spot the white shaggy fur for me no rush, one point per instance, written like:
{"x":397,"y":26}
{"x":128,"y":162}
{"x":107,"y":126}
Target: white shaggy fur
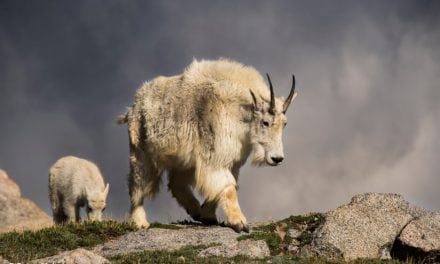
{"x":200,"y":127}
{"x":74,"y":183}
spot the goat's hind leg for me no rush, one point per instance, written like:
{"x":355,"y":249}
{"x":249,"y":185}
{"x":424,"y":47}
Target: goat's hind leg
{"x":136,"y":185}
{"x":56,"y":202}
{"x":207,"y":215}
{"x":180,"y":186}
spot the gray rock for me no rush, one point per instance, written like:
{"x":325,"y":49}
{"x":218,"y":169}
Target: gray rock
{"x":4,"y":261}
{"x":293,"y":249}
{"x":418,"y":212}
{"x":423,"y":233}
{"x":420,"y":239}
{"x":294,"y":233}
{"x":77,"y":256}
{"x":365,"y":228}
{"x":167,"y":239}
{"x":249,"y":248}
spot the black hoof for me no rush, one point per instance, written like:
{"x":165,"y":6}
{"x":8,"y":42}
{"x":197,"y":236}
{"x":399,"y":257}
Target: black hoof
{"x":239,"y":227}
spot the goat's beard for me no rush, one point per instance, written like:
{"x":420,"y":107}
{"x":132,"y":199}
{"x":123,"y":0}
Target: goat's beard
{"x":259,"y":157}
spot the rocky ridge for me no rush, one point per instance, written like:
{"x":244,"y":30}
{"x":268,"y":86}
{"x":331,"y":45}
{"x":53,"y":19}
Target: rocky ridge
{"x":370,"y":226}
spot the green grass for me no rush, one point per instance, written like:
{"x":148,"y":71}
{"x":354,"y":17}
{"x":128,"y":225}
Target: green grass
{"x":164,"y":226}
{"x":28,"y":245}
{"x":307,"y":224}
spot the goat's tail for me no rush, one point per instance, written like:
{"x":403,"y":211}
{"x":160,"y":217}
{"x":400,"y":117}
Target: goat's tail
{"x":135,"y":124}
{"x":123,"y":119}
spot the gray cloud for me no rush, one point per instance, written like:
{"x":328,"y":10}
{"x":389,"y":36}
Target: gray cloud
{"x":365,"y":118}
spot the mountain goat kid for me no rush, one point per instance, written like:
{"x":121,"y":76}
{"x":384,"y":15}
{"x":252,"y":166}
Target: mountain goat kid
{"x":74,"y":183}
{"x":200,"y":127}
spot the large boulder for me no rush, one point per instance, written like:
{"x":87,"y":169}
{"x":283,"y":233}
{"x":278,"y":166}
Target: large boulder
{"x":18,"y":213}
{"x":365,"y":228}
{"x":420,"y":239}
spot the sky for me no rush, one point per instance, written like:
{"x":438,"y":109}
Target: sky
{"x":366,"y":118}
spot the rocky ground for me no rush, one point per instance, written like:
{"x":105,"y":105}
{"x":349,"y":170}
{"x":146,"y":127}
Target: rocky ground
{"x":221,"y":241}
{"x":372,"y":226}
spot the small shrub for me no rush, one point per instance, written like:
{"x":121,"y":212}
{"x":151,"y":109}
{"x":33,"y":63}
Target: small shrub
{"x":307,"y":224}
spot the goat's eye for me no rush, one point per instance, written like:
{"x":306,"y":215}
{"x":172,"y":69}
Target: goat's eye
{"x":265,"y":123}
{"x":285,"y":124}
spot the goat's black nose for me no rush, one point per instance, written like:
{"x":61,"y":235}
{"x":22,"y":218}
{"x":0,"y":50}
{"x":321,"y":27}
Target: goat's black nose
{"x":277,"y":159}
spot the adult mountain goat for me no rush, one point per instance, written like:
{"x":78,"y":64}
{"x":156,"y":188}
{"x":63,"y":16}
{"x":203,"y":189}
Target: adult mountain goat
{"x":200,"y":127}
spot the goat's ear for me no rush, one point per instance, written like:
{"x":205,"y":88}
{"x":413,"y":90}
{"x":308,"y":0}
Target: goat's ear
{"x":254,"y":99}
{"x":107,"y":187}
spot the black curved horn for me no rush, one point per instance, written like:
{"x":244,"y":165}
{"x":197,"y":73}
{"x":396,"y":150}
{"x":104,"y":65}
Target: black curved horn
{"x":290,"y":97}
{"x":272,"y":96}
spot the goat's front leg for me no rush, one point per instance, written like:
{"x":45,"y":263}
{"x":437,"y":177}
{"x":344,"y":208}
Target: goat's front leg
{"x":228,"y":201}
{"x":220,"y":188}
{"x":180,"y":186}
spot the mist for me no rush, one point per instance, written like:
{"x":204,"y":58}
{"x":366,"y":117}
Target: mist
{"x":365,"y":119}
